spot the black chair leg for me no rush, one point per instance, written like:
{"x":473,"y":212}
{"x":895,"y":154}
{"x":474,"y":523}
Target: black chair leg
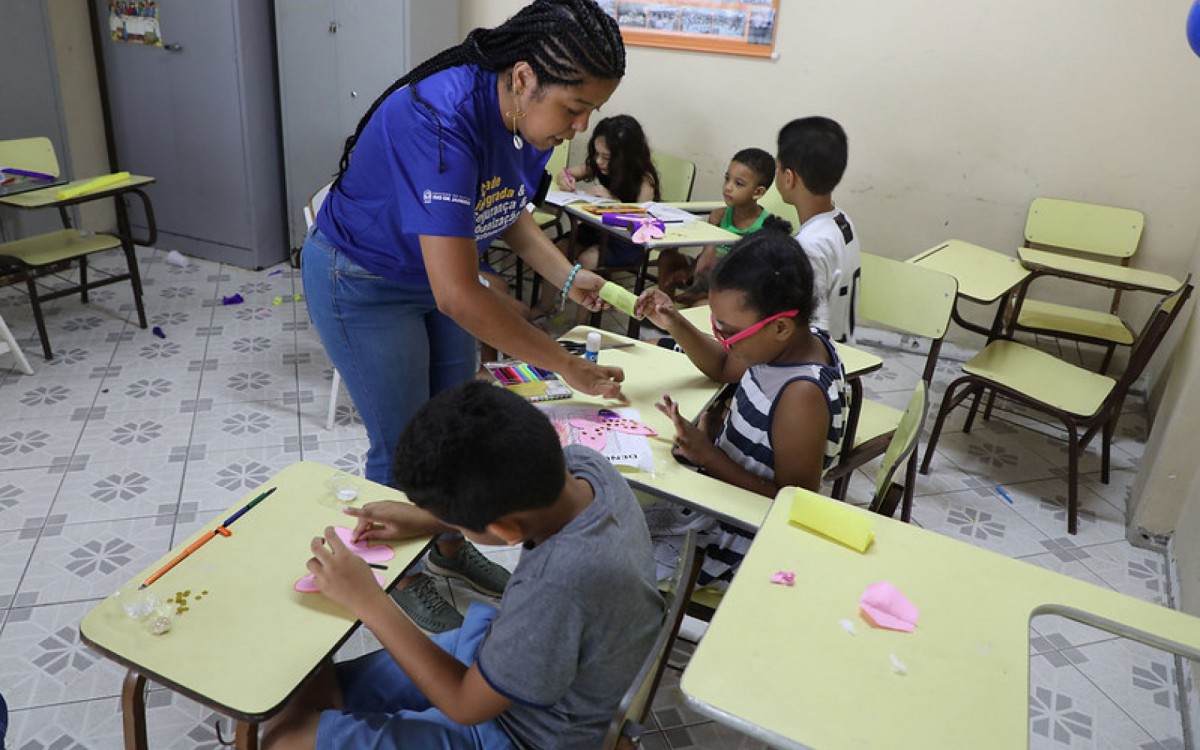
{"x":37,"y":314}
{"x":949,"y":401}
{"x":135,"y":279}
{"x":83,"y":268}
{"x":1072,"y":480}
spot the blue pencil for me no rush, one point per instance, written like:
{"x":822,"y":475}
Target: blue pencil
{"x":248,"y":506}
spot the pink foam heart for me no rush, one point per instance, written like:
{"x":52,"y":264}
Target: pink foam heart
{"x":372,"y":552}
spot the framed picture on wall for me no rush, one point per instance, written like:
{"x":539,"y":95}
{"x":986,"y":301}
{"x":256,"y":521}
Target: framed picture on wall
{"x":739,"y":27}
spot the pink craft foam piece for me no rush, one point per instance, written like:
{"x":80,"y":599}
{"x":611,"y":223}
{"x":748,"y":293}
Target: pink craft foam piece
{"x":784,"y":578}
{"x":883,"y":606}
{"x":372,"y":553}
{"x":307,"y":584}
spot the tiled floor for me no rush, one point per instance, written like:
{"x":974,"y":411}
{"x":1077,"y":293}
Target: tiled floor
{"x":126,"y":443}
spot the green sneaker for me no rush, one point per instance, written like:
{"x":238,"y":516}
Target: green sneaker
{"x":426,"y":607}
{"x":471,"y":566}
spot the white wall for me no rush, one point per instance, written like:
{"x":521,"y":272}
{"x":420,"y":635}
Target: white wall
{"x":958,"y":113}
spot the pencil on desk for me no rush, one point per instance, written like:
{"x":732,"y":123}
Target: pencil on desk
{"x":179,"y":558}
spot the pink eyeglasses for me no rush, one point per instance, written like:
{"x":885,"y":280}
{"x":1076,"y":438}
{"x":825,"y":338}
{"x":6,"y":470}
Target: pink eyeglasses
{"x":728,"y":341}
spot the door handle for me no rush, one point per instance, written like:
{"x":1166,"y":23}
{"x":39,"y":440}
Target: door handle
{"x":174,"y":47}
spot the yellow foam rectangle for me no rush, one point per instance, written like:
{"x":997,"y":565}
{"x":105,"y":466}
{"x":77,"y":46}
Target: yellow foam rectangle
{"x":92,"y":185}
{"x":619,"y":297}
{"x":834,"y":520}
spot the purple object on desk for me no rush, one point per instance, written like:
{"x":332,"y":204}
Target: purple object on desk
{"x":644,"y":228}
{"x":27,"y":173}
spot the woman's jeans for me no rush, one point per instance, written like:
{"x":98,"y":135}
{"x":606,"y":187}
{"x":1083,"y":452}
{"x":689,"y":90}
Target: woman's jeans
{"x":393,"y":348}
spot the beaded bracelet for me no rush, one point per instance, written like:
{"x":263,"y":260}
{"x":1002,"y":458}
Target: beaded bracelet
{"x":562,"y":297}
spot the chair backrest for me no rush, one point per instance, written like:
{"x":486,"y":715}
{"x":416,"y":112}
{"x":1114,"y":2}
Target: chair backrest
{"x":313,"y":206}
{"x":635,"y":704}
{"x":33,"y":154}
{"x":1165,"y":312}
{"x":559,"y":158}
{"x":907,"y":298}
{"x":903,"y":442}
{"x":1053,"y":223}
{"x":676,"y":177}
{"x":774,"y":202}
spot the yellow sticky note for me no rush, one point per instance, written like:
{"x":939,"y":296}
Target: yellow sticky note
{"x":91,"y":186}
{"x":619,"y":297}
{"x":833,"y":519}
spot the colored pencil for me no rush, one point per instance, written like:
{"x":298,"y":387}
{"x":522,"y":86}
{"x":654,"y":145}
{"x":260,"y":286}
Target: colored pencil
{"x":178,"y":558}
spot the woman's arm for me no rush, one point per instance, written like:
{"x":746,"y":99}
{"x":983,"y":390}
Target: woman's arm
{"x":452,"y":265}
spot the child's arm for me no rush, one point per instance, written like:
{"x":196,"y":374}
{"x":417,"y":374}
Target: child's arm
{"x":646,"y":193}
{"x":461,"y":693}
{"x":693,"y":443}
{"x":390,"y":521}
{"x":704,"y":351}
{"x":566,"y":178}
{"x":799,"y":429}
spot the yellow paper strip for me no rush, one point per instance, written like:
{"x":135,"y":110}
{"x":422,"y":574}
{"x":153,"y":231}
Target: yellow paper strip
{"x":619,"y":297}
{"x":91,"y":186}
{"x":833,"y":519}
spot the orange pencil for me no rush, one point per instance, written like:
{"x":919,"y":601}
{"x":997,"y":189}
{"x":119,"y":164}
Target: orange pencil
{"x":175,"y":561}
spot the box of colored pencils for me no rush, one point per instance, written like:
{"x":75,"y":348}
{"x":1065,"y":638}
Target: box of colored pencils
{"x":529,"y":382}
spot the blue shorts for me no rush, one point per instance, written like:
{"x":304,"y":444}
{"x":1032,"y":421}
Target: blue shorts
{"x":384,"y":710}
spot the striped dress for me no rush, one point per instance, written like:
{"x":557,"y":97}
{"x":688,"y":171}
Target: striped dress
{"x":746,"y":438}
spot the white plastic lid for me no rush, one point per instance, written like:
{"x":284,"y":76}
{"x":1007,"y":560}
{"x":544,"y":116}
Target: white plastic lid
{"x":593,"y":341}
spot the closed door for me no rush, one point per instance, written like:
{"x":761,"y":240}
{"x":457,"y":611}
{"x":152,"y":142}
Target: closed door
{"x":177,"y":117}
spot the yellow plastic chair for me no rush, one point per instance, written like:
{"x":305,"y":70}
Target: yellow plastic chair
{"x":1085,"y":402}
{"x":676,"y":177}
{"x":29,"y":257}
{"x":1099,"y":232}
{"x":902,"y":449}
{"x":624,"y":729}
{"x":912,"y":300}
{"x":774,"y":202}
{"x":9,"y":344}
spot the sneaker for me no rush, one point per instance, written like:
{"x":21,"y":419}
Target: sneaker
{"x":469,"y":565}
{"x":426,"y":607}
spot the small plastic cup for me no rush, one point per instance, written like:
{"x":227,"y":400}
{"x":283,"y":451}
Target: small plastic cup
{"x":344,"y":486}
{"x":137,"y":603}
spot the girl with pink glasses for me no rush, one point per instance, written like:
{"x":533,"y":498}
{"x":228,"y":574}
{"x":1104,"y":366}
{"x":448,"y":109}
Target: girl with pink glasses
{"x":785,"y":423}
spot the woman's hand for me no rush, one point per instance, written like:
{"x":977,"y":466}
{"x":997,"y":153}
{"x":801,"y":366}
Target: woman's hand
{"x":585,"y":290}
{"x":691,"y":441}
{"x":656,"y":305}
{"x":389,"y":521}
{"x":341,"y":575}
{"x":595,"y":380}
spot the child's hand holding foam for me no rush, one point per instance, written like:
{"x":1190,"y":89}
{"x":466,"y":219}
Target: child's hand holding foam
{"x":656,"y":305}
{"x":342,"y":576}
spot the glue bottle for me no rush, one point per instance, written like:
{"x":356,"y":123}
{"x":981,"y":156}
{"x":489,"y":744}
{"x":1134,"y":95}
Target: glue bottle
{"x":592,"y":353}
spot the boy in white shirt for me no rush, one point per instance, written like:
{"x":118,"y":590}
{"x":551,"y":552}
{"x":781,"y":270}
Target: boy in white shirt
{"x":811,"y":158}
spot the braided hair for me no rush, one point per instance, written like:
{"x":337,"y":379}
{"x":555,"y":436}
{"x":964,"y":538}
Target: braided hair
{"x":563,"y":41}
{"x":771,"y":269}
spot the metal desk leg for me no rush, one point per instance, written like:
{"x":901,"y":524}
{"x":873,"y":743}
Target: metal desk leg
{"x":133,"y":711}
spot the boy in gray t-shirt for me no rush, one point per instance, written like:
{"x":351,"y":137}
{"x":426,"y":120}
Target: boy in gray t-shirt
{"x":577,"y":619}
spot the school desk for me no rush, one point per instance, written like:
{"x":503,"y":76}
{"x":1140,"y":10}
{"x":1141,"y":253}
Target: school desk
{"x":247,"y":639}
{"x":984,"y":277}
{"x":686,"y":234}
{"x":1111,"y":275}
{"x":651,"y":371}
{"x":777,"y":664}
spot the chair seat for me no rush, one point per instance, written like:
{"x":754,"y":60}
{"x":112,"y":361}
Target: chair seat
{"x":52,"y":247}
{"x":1074,"y":321}
{"x":1041,"y":377}
{"x":875,"y":420}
